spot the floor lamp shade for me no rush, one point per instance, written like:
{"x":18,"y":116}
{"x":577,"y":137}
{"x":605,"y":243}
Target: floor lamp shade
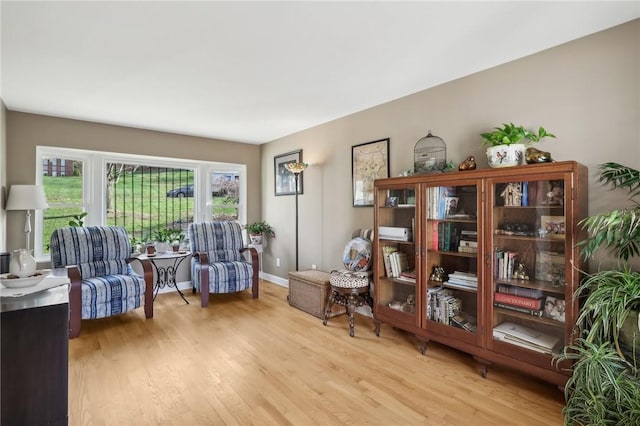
{"x":27,"y":197}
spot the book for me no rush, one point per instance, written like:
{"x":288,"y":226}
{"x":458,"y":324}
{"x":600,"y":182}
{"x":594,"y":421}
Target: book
{"x":464,"y":321}
{"x":467,"y":243}
{"x":520,"y":291}
{"x":523,"y":302}
{"x":554,"y":308}
{"x":526,"y":334}
{"x":434,"y":235}
{"x":463,"y":249}
{"x":386,"y":253}
{"x":534,"y":312}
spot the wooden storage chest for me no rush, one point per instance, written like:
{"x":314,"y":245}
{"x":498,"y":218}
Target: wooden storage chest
{"x":310,"y":290}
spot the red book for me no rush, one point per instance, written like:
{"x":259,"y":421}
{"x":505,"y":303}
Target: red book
{"x":434,"y":235}
{"x":523,"y":302}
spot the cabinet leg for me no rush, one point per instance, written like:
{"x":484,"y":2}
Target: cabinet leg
{"x":376,"y":327}
{"x":483,"y":367}
{"x":423,"y":345}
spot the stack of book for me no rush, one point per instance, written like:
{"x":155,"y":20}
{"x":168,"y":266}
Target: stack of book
{"x":525,"y":337}
{"x":442,"y":306}
{"x":520,"y":299}
{"x":463,"y":280}
{"x":468,"y":241}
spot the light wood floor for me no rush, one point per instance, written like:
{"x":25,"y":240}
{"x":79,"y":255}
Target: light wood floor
{"x":243,"y":361}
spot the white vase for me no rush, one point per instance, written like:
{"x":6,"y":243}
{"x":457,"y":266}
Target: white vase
{"x":22,"y":264}
{"x":256,"y":239}
{"x":506,"y":155}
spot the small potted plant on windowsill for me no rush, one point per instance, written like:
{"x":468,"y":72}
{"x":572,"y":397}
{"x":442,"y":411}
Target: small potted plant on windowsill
{"x":506,"y":145}
{"x":257,"y":230}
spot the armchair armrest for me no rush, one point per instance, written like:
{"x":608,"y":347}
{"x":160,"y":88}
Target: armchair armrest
{"x":75,"y":301}
{"x":202,"y":258}
{"x":148,"y":285}
{"x":255,"y":264}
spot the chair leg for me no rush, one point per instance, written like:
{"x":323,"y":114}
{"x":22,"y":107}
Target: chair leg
{"x":327,"y":310}
{"x":351,"y":307}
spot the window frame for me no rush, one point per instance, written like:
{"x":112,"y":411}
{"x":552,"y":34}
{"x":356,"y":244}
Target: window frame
{"x":94,"y":184}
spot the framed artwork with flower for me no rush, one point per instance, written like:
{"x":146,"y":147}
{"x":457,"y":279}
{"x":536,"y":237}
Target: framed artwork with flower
{"x":285,"y":183}
{"x":369,"y":161}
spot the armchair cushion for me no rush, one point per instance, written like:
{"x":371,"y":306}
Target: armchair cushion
{"x":111,"y":295}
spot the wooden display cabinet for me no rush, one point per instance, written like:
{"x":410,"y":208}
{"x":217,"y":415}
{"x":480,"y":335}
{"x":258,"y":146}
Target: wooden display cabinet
{"x":494,"y":257}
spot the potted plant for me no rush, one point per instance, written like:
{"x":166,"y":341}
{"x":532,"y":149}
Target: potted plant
{"x":605,"y":385}
{"x":257,"y":230}
{"x":166,"y":238}
{"x":506,"y":144}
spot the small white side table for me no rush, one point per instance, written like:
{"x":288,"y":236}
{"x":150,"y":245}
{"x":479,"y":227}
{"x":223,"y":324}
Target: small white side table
{"x":258,"y":248}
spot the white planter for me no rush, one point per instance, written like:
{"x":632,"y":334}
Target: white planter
{"x":256,"y":239}
{"x":506,"y":155}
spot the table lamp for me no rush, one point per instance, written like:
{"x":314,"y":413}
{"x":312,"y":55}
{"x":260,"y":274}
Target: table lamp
{"x":27,"y":197}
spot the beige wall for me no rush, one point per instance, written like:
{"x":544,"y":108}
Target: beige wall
{"x":587,"y":92}
{"x":26,"y":131}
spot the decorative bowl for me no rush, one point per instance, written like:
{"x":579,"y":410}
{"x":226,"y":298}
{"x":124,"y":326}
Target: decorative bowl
{"x":11,"y":281}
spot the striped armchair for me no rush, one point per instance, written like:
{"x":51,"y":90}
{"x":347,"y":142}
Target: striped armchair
{"x":218,"y":263}
{"x":102,"y":280}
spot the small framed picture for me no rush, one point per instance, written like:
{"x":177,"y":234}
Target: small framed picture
{"x":392,"y":202}
{"x":450,"y":206}
{"x":285,"y":180}
{"x":554,"y":308}
{"x":552,"y":226}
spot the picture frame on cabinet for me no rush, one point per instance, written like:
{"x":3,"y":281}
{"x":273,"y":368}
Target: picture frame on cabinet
{"x":283,"y":179}
{"x":369,"y":161}
{"x":392,"y":202}
{"x":553,"y":226}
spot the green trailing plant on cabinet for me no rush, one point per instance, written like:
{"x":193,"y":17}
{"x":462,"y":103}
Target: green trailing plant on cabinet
{"x":510,"y":134}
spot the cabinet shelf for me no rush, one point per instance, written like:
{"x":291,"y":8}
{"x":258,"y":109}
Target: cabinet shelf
{"x":454,"y":253}
{"x":528,"y":238}
{"x":545,"y":286}
{"x":540,"y":320}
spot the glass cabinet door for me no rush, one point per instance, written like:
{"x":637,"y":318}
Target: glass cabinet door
{"x":396,"y":293}
{"x":453,"y":247}
{"x":528,"y":265}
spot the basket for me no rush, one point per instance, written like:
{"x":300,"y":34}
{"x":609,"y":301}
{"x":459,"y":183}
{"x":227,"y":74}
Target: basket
{"x":309,"y":291}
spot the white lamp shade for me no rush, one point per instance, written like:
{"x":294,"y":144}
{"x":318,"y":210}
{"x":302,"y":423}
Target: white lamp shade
{"x":27,"y":197}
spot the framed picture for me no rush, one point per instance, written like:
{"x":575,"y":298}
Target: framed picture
{"x":392,"y":202}
{"x":369,"y":161}
{"x":285,"y":181}
{"x":552,"y":226}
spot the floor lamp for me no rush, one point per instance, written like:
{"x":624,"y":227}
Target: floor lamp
{"x":27,"y":197}
{"x":296,"y":168}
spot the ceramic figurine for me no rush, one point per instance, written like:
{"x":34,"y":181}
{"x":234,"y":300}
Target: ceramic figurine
{"x":437,"y":274}
{"x":468,"y":164}
{"x":533,"y":156}
{"x":520,"y":273}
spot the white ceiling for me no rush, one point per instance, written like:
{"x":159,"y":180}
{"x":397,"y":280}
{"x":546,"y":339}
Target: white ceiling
{"x":256,"y":71}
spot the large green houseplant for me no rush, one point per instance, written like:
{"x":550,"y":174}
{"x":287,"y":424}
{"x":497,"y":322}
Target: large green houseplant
{"x":605,"y":385}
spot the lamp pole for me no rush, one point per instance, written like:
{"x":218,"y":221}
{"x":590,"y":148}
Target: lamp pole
{"x":296,"y":168}
{"x":296,"y":178}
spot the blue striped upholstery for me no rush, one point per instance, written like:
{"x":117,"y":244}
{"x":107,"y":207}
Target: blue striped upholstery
{"x":109,"y":285}
{"x":222,"y":242}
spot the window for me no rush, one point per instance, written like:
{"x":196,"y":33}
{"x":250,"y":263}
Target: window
{"x":143,"y":194}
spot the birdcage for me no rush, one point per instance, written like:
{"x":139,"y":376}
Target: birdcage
{"x":429,"y":154}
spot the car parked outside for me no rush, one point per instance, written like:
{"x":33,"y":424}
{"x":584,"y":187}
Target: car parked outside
{"x":184,"y":191}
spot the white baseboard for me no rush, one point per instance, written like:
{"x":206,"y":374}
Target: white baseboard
{"x":275,"y":279}
{"x":184,"y":285}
